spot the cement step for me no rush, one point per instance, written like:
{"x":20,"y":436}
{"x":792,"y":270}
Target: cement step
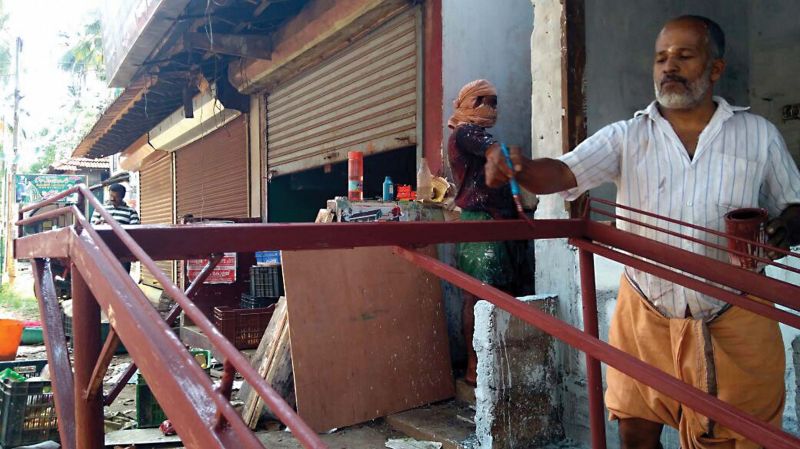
{"x":450,"y":423}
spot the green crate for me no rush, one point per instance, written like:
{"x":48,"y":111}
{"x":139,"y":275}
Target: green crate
{"x":148,"y":411}
{"x":104,"y":327}
{"x":27,"y":412}
{"x":25,"y":368}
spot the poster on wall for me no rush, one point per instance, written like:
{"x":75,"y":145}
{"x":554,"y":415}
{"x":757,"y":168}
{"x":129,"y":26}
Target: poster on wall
{"x":31,"y":189}
{"x":224,"y":273}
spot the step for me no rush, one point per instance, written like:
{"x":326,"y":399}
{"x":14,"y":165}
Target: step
{"x":450,"y":423}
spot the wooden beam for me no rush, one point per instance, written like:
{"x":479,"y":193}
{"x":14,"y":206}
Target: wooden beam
{"x":255,"y":47}
{"x":573,"y":66}
{"x":101,"y":367}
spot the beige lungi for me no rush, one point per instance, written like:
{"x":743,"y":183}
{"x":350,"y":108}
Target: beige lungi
{"x":737,"y":357}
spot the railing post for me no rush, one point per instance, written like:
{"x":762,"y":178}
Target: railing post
{"x":593,"y":373}
{"x":86,"y":346}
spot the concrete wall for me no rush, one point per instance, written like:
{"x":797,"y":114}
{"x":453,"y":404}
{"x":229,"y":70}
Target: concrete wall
{"x":775,"y":64}
{"x":482,"y":40}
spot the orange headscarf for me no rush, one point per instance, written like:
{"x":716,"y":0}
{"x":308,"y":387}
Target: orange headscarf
{"x":464,"y":110}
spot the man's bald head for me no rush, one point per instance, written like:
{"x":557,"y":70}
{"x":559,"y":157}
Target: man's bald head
{"x":715,"y":37}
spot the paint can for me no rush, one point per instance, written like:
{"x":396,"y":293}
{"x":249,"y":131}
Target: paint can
{"x":749,"y":224}
{"x":355,"y":176}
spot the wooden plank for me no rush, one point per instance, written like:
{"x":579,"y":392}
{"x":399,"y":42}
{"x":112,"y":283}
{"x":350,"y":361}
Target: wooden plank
{"x":273,"y":362}
{"x":368,"y":335}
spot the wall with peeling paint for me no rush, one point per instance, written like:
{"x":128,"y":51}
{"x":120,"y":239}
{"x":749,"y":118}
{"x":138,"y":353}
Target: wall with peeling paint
{"x":482,"y":40}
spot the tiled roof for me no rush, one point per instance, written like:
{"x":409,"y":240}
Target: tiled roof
{"x":78,"y":163}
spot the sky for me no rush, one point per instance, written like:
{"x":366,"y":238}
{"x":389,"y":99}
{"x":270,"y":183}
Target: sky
{"x":41,"y":24}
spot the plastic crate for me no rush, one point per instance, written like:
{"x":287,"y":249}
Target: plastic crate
{"x":243,"y":327}
{"x":254,"y":302}
{"x":266,"y":282}
{"x":27,"y":412}
{"x":148,"y":410}
{"x":268,"y":257}
{"x":25,"y":368}
{"x":103,"y":333}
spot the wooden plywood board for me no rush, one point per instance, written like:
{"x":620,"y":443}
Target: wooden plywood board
{"x":368,"y":335}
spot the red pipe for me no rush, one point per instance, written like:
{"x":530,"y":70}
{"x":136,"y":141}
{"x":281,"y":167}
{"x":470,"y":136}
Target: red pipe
{"x":772,"y":290}
{"x":688,"y":225}
{"x":692,"y":283}
{"x":708,"y":244}
{"x":173,"y":314}
{"x":54,"y":198}
{"x":271,"y":398}
{"x":57,"y":354}
{"x":594,"y":376}
{"x":727,"y":415}
{"x":86,"y":350}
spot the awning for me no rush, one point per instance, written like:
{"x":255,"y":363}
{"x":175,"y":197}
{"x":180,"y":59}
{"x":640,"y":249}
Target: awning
{"x":135,"y":112}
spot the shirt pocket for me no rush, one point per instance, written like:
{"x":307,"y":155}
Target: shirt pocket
{"x":732,"y":183}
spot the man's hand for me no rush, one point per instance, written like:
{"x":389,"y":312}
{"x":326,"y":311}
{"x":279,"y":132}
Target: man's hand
{"x":497,"y":170}
{"x":540,"y":176}
{"x":784,"y":230}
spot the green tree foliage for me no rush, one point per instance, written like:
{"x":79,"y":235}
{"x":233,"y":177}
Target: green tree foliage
{"x":88,"y":96}
{"x":85,"y":55}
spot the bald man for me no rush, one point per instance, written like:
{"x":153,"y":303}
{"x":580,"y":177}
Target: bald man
{"x":691,"y":156}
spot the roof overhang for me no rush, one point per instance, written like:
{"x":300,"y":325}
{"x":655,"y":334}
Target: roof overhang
{"x":135,"y":112}
{"x":131,"y":30}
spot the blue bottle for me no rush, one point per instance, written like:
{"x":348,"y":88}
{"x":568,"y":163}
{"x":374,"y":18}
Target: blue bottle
{"x":388,"y":189}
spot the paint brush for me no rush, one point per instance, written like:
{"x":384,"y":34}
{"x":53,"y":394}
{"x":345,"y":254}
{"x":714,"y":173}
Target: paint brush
{"x":514,"y":183}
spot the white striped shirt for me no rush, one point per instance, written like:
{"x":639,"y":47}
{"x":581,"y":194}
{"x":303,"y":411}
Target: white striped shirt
{"x":741,"y":160}
{"x":123,"y":214}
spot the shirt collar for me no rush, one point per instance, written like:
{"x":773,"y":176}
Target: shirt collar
{"x":724,"y":109}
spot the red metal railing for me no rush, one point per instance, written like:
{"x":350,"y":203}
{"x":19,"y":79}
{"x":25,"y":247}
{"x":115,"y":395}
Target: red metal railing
{"x":145,"y":243}
{"x":156,"y":350}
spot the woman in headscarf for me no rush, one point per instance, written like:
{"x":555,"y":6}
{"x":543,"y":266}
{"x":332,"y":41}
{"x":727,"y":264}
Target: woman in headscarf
{"x":501,"y":264}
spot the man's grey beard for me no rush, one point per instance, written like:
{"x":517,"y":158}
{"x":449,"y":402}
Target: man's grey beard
{"x":697,"y":90}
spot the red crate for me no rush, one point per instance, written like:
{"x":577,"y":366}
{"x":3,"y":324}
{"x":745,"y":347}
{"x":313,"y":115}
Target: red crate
{"x":243,"y":327}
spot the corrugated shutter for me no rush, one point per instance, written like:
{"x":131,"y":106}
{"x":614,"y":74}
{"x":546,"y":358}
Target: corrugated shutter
{"x":156,"y":197}
{"x":211,"y":177}
{"x":362,"y":98}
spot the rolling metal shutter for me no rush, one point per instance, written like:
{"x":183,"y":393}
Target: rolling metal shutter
{"x":211,"y":174}
{"x":156,"y":205}
{"x":362,"y":98}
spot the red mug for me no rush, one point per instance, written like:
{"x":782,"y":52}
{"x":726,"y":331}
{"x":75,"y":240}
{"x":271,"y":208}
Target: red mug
{"x":748,"y":224}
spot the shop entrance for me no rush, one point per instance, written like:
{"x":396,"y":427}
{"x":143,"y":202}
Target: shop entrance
{"x":297,"y":197}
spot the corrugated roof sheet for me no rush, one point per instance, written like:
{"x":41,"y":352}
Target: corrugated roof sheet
{"x":80,"y":163}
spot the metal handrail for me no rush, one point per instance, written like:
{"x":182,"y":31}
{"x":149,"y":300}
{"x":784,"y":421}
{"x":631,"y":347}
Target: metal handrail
{"x":688,"y":225}
{"x":607,"y":243}
{"x":271,"y":398}
{"x":700,"y":401}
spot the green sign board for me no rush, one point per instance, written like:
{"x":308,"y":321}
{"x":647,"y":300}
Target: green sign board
{"x":34,"y":188}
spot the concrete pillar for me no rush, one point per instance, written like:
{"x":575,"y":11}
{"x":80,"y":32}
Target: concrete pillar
{"x":516,"y":397}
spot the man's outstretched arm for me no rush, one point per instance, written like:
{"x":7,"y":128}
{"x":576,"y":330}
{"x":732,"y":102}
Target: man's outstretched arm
{"x":540,"y":176}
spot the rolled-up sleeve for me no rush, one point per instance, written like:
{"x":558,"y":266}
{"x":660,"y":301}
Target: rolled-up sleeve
{"x":781,"y":184}
{"x":596,"y":160}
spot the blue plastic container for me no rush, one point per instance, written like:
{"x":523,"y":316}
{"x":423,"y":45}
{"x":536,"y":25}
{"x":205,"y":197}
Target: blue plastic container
{"x":268,"y":257}
{"x":388,"y":189}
